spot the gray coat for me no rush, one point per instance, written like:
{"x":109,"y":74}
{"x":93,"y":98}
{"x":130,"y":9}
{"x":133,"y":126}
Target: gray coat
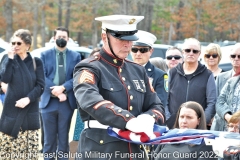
{"x":222,"y":79}
{"x":224,"y":103}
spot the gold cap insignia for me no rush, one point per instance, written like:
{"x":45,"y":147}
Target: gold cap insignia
{"x":132,"y":21}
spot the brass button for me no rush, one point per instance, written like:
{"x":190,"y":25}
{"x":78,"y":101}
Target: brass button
{"x":101,"y":141}
{"x":96,"y":57}
{"x":115,"y":61}
{"x":119,"y":110}
{"x":111,"y":89}
{"x":131,"y":97}
{"x":129,"y":87}
{"x":127,"y":115}
{"x":120,"y":69}
{"x":131,"y":108}
{"x":112,"y":107}
{"x":123,"y":78}
{"x":153,"y":116}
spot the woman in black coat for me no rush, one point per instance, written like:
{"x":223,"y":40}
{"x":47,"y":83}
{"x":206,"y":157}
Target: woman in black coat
{"x":19,"y":122}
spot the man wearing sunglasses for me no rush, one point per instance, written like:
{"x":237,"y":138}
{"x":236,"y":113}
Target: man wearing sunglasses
{"x":223,"y":114}
{"x":112,"y":91}
{"x":173,"y":57}
{"x":141,"y":52}
{"x":191,"y":81}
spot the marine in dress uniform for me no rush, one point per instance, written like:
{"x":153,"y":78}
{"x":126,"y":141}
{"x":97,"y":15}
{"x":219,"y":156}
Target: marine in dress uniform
{"x":112,"y":91}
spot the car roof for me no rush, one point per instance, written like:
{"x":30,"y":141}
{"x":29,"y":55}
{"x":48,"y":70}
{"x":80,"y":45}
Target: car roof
{"x":161,"y":46}
{"x":37,"y":52}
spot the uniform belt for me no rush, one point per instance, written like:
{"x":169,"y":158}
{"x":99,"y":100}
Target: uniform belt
{"x":94,"y":124}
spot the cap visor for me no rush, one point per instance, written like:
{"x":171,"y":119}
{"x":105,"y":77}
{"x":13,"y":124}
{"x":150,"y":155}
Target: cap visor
{"x":126,"y":37}
{"x":141,"y":44}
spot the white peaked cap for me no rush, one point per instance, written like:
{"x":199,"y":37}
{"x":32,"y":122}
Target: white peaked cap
{"x":145,"y":39}
{"x":120,"y":22}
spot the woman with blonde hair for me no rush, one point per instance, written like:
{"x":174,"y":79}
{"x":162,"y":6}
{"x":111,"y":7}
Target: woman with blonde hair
{"x":212,"y":57}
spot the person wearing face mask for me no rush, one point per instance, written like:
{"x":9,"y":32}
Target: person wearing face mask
{"x":57,"y":101}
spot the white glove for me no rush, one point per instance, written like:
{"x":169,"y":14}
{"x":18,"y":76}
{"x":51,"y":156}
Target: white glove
{"x":143,"y":123}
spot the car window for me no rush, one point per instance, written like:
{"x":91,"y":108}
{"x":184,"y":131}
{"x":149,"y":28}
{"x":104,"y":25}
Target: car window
{"x":159,"y":52}
{"x":84,"y":55}
{"x":1,"y":49}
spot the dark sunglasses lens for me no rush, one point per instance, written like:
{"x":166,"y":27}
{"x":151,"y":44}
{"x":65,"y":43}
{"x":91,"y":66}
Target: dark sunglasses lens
{"x":234,"y":56}
{"x":215,"y":55}
{"x":207,"y":55}
{"x":18,"y":43}
{"x":187,"y":50}
{"x":175,"y":57}
{"x":134,"y":50}
{"x":195,"y":51}
{"x":169,"y":57}
{"x":144,"y":50}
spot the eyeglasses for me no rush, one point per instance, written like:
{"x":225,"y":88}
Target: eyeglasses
{"x":193,"y":50}
{"x":18,"y":43}
{"x":235,"y":127}
{"x":213,"y":55}
{"x":234,"y":56}
{"x":142,"y":50}
{"x":175,"y":57}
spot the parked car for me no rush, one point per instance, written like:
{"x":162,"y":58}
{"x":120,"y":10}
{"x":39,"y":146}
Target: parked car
{"x":225,"y":62}
{"x":85,"y":52}
{"x":160,"y":50}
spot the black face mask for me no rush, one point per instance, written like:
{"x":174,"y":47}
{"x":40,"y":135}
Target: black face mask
{"x":61,"y":43}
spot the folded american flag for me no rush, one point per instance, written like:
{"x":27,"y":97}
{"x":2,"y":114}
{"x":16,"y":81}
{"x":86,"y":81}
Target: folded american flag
{"x":162,"y":135}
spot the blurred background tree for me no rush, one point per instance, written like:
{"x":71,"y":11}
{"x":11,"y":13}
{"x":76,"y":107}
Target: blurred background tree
{"x":169,"y":20}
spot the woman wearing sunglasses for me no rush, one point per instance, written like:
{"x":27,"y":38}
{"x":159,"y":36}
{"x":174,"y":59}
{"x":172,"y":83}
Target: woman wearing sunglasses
{"x":191,"y":81}
{"x":212,"y":57}
{"x":19,"y":122}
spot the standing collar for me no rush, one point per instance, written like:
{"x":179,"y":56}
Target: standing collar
{"x":117,"y":62}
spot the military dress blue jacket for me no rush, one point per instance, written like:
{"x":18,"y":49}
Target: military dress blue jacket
{"x":112,"y":91}
{"x":159,"y":80}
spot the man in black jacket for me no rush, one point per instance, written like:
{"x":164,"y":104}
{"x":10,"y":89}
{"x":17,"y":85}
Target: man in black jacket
{"x":191,"y":81}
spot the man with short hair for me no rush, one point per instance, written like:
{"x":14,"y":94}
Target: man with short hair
{"x":112,"y":91}
{"x":191,"y":81}
{"x":58,"y":101}
{"x":222,"y":79}
{"x":141,"y":52}
{"x":173,"y":57}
